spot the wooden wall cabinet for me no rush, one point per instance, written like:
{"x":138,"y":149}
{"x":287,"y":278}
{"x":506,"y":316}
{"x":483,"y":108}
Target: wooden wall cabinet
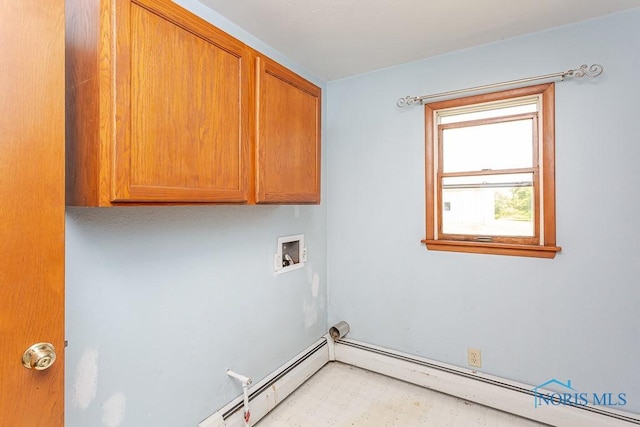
{"x":288,"y":136}
{"x":161,"y":108}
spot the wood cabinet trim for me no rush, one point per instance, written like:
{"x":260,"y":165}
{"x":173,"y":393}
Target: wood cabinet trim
{"x":190,"y":22}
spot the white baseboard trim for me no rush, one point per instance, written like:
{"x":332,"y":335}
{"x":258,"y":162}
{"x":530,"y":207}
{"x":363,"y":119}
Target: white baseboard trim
{"x":266,"y":394}
{"x":495,"y":392}
{"x":508,"y":396}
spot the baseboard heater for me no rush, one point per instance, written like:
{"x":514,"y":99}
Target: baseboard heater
{"x":266,"y":394}
{"x":498,"y":393}
{"x":495,"y":392}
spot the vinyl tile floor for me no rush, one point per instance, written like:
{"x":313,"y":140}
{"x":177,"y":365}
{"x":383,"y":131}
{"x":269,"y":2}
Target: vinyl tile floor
{"x":342,"y":395}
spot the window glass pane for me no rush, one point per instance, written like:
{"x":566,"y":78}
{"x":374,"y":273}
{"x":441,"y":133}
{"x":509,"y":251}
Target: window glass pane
{"x":486,"y":114}
{"x":496,"y":205}
{"x":494,"y":146}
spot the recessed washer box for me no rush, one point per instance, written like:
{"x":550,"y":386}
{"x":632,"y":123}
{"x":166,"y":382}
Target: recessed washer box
{"x":291,"y":253}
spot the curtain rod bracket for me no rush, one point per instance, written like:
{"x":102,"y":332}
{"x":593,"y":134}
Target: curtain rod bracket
{"x":584,"y":71}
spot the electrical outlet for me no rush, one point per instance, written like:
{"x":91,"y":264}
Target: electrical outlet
{"x":474,"y":358}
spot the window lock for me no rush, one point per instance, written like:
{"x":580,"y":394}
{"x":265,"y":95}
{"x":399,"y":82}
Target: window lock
{"x":484,"y":239}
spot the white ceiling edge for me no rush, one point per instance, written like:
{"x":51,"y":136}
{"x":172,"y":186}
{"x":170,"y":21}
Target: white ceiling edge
{"x":334,"y":39}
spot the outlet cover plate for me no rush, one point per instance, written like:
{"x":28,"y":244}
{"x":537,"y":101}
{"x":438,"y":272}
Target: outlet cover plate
{"x":474,"y":357}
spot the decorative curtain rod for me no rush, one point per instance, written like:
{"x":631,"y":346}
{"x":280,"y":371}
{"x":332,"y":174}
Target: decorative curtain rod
{"x":584,"y":71}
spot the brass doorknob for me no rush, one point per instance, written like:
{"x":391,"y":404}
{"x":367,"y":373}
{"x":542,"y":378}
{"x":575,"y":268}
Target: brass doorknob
{"x":39,"y":356}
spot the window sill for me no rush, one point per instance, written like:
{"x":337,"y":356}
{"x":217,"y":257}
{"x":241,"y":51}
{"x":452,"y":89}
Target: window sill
{"x":493,"y":248}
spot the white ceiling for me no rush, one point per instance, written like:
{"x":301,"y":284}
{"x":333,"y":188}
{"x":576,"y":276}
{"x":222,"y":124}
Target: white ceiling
{"x":339,"y":38}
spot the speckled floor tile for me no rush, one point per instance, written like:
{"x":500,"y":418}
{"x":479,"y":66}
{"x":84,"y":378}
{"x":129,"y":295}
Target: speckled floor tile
{"x":342,"y":395}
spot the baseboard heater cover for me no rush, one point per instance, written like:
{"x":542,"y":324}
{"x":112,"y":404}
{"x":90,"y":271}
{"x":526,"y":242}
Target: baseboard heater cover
{"x":499,"y":393}
{"x":266,"y":394}
{"x":495,"y":392}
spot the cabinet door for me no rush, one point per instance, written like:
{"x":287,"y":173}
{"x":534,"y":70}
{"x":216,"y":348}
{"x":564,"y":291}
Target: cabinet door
{"x":288,"y":136}
{"x":181,"y":108}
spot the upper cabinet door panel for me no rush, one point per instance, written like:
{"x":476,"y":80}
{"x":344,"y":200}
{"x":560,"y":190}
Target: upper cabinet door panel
{"x":181,"y":109}
{"x":288,"y":136}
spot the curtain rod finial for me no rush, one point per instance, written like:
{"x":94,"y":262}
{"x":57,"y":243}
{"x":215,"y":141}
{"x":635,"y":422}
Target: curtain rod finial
{"x":587,"y":71}
{"x":407,"y":100}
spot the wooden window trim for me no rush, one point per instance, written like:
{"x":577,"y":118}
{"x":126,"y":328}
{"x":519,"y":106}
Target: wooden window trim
{"x":546,"y":248}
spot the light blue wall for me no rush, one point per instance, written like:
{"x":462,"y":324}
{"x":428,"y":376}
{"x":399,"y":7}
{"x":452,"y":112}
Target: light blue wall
{"x":161,"y":301}
{"x":574,"y":317}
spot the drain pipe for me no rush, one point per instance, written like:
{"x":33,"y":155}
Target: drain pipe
{"x":245,"y":381}
{"x":336,"y":332}
{"x":339,"y":330}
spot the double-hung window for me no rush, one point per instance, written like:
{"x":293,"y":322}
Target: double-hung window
{"x":490,"y":173}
